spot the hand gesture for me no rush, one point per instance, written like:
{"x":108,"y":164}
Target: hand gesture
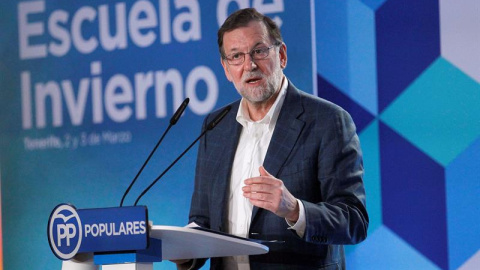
{"x":268,"y":192}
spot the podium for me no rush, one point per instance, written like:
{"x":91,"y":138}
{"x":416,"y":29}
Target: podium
{"x":176,"y":243}
{"x":187,"y":243}
{"x":121,"y":238}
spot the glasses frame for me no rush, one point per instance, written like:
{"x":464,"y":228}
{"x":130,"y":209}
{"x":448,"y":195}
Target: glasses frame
{"x":251,"y":53}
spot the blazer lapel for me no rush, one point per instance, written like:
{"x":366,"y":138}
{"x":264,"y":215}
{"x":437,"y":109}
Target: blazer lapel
{"x":227,"y":137}
{"x":285,"y":135}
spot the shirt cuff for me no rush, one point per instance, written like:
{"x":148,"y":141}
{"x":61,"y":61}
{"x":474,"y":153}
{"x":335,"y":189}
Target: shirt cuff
{"x":299,"y":226}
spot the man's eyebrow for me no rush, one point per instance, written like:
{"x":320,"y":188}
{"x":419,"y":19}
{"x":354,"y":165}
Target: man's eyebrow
{"x":235,"y":49}
{"x":258,"y":43}
{"x":231,"y":50}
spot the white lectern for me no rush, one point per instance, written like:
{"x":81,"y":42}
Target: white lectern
{"x":176,"y":243}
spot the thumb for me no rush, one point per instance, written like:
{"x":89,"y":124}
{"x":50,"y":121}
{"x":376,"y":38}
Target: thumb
{"x":263,"y":172}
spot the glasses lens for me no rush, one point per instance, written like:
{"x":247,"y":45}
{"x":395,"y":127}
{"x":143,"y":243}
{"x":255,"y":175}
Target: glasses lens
{"x":260,"y":53}
{"x":236,"y":58}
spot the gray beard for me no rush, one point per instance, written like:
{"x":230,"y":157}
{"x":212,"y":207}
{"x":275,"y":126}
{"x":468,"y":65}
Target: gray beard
{"x":259,"y":94}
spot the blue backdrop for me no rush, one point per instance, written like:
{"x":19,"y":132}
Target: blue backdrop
{"x":87,"y":88}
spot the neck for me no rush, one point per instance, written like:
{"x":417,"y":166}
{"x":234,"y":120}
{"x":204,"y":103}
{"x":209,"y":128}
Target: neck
{"x":257,"y":111}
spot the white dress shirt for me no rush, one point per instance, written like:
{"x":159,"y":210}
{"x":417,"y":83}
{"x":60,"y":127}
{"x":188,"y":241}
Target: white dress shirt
{"x":251,"y":150}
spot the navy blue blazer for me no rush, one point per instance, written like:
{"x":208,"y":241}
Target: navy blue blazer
{"x":316,"y":152}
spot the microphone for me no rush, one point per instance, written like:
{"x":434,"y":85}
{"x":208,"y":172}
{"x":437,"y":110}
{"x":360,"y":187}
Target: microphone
{"x":173,"y":121}
{"x":210,"y":126}
{"x":179,"y":112}
{"x":217,"y":119}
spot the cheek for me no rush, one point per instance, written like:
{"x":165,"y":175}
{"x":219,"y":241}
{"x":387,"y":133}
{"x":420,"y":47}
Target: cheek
{"x":270,"y":67}
{"x":235,"y":76}
{"x":228,"y":72}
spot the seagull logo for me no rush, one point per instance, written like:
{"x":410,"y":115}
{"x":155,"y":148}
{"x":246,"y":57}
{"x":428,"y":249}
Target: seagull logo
{"x":64,"y":218}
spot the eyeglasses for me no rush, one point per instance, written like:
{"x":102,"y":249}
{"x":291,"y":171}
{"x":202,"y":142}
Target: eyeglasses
{"x":238,"y":58}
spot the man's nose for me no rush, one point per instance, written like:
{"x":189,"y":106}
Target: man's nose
{"x":249,"y":63}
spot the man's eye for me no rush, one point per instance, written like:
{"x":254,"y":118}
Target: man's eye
{"x":236,"y":56}
{"x":259,"y":51}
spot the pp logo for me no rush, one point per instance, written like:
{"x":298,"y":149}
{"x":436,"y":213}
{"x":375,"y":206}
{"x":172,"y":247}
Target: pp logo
{"x":65,"y":231}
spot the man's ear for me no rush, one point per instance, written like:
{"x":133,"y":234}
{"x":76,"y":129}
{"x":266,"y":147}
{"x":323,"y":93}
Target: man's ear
{"x":283,"y":55}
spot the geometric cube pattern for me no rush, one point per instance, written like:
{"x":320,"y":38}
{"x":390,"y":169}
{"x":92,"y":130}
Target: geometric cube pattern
{"x":346,"y":37}
{"x":463,"y":192}
{"x":472,"y":263}
{"x":408,"y":41}
{"x":408,"y":72}
{"x":459,"y":45}
{"x":413,"y":188}
{"x":437,"y":112}
{"x":383,"y":249}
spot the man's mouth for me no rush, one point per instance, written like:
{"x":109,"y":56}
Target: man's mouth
{"x":253,"y":80}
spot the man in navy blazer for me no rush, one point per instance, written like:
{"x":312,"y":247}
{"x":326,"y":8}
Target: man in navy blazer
{"x":307,"y":196}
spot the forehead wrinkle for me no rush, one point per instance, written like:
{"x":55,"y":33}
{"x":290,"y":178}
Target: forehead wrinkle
{"x":239,"y":37}
{"x":234,"y":49}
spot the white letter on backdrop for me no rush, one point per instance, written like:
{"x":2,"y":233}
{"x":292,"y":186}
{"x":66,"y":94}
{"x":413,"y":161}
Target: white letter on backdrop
{"x":84,"y":46}
{"x":142,"y":16}
{"x":193,"y":17}
{"x":119,"y":39}
{"x":55,"y":29}
{"x":202,"y":73}
{"x":27,"y":30}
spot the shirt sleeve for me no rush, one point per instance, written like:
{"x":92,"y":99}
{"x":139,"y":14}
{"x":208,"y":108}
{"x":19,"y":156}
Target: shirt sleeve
{"x":299,"y":226}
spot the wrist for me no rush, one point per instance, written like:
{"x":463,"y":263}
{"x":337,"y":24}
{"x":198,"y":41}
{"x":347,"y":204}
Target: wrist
{"x":294,"y":215}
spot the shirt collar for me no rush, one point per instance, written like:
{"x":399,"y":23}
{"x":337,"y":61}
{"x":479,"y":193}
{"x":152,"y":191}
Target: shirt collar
{"x":271,"y":117}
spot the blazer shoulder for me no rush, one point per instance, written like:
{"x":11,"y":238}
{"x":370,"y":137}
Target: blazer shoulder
{"x":231,"y":114}
{"x":234,"y":108}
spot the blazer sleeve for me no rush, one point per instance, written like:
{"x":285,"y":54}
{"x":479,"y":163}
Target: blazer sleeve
{"x":341,"y":216}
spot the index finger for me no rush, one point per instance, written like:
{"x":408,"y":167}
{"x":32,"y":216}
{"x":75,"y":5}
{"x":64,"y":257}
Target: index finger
{"x":266,"y":180}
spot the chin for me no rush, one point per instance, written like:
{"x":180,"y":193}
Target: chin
{"x":258,"y":98}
